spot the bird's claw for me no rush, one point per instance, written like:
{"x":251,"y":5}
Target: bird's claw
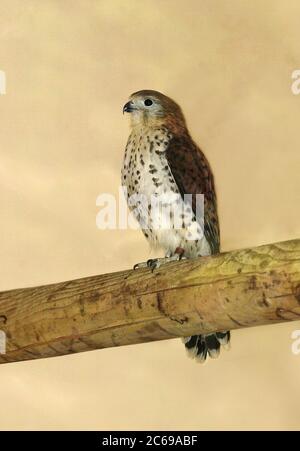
{"x":140,"y":265}
{"x":154,"y":263}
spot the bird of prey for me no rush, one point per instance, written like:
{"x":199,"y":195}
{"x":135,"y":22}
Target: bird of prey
{"x":161,"y":159}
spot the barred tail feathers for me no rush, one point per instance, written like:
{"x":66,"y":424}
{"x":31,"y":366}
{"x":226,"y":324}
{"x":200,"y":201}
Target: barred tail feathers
{"x":199,"y":346}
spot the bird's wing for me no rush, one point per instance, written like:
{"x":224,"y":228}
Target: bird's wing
{"x":193,"y":175}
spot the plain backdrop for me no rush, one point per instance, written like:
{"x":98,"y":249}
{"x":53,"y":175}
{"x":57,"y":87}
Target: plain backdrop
{"x":70,"y":67}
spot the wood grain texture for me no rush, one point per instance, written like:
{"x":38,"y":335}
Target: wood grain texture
{"x":227,"y":291}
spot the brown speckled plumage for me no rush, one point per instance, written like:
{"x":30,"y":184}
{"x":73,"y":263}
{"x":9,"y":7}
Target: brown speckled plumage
{"x":193,"y":175}
{"x":162,"y":159}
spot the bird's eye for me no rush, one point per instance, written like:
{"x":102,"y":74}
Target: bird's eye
{"x":148,"y":102}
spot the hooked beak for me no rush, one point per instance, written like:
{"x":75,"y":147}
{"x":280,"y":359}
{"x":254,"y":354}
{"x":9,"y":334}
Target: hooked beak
{"x":128,"y":107}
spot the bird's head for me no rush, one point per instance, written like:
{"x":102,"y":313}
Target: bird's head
{"x":154,"y":109}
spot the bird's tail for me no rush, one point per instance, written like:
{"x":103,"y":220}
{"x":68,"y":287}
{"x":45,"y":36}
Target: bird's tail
{"x":199,"y":346}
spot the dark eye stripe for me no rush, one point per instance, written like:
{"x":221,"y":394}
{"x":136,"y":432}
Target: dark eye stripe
{"x":148,"y":102}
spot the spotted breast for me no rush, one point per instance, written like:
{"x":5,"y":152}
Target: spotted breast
{"x":154,"y":197}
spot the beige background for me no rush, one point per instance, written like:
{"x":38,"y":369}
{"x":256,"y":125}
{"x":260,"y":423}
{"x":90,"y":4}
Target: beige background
{"x":70,"y":67}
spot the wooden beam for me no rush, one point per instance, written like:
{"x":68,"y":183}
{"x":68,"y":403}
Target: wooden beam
{"x":232,"y":290}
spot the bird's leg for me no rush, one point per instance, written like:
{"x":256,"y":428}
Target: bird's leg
{"x":154,"y":263}
{"x":157,"y":262}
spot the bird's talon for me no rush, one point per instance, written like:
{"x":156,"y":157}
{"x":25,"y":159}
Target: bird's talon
{"x":153,"y":263}
{"x":140,"y":265}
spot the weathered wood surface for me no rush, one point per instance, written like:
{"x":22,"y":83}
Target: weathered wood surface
{"x":232,"y":290}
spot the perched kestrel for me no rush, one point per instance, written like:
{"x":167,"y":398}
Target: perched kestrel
{"x":162,"y":160}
